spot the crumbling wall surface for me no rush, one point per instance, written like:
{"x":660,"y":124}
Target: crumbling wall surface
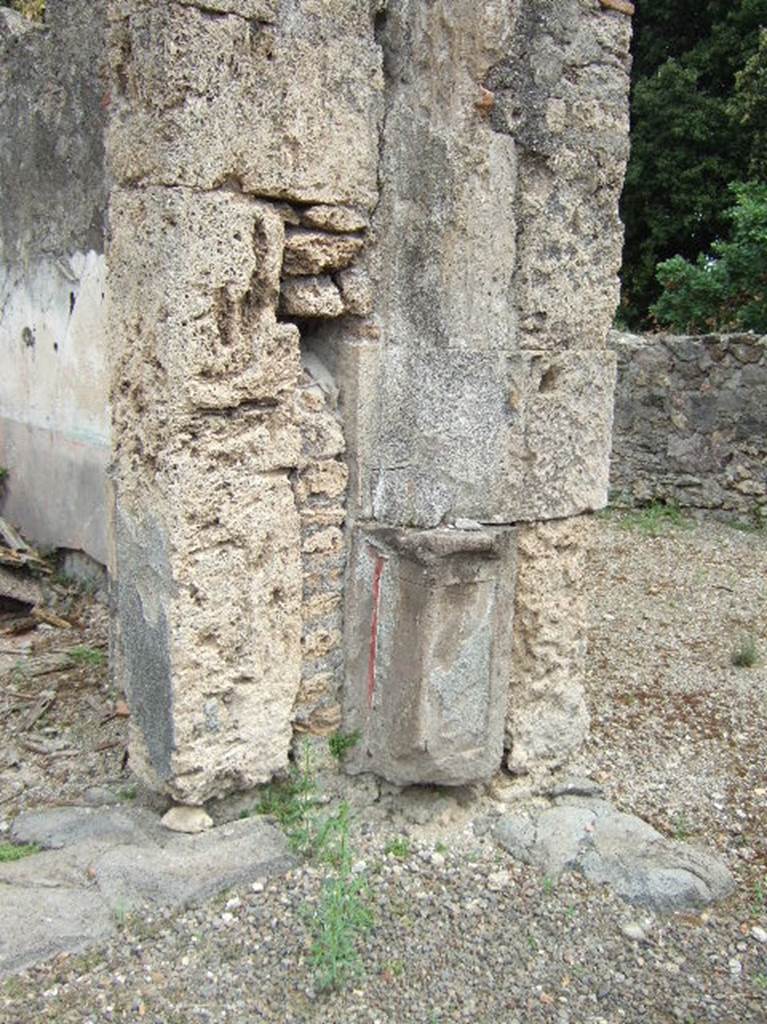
{"x":691,"y":421}
{"x":54,"y":419}
{"x":494,"y":254}
{"x":547,"y":717}
{"x":243,"y":140}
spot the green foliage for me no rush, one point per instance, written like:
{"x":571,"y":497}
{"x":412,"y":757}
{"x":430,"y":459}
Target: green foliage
{"x":340,"y":743}
{"x":697,"y":98}
{"x":9,"y":851}
{"x":398,"y":847}
{"x":86,"y":655}
{"x":725,"y":289}
{"x":746,"y":654}
{"x":32,"y":9}
{"x":655,"y":519}
{"x":342,"y":912}
{"x":749,"y":106}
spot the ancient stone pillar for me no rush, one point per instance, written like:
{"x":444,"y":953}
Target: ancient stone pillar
{"x":362,"y":265}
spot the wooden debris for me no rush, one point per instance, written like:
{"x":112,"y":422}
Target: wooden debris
{"x":11,"y":537}
{"x":621,"y":6}
{"x":43,"y":615}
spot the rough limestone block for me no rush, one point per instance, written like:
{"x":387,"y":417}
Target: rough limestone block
{"x":192,"y":309}
{"x":561,"y":92}
{"x":445,"y":225}
{"x":428,"y":618}
{"x":617,"y":850}
{"x":209,"y":636}
{"x":200,"y":101}
{"x":547,"y":714}
{"x":480,"y":436}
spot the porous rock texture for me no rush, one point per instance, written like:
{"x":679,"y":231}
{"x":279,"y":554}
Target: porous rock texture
{"x":547,"y":717}
{"x":363,"y":262}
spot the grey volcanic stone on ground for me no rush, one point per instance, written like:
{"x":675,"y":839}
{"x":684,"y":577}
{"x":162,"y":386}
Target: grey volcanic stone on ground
{"x":103,"y":861}
{"x":192,"y":868}
{"x":38,"y":923}
{"x":615,"y":849}
{"x":64,"y":826}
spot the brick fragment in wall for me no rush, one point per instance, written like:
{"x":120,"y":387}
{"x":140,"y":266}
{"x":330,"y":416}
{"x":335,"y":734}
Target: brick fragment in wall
{"x":326,"y":478}
{"x":316,"y":252}
{"x":325,"y":541}
{"x":310,"y":297}
{"x":356,"y":291}
{"x":547,"y":718}
{"x":340,"y":219}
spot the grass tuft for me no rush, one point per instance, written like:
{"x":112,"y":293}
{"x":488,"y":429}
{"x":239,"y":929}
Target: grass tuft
{"x":10,"y":852}
{"x":746,"y":654}
{"x":654,"y":520}
{"x":86,"y":655}
{"x":340,"y":743}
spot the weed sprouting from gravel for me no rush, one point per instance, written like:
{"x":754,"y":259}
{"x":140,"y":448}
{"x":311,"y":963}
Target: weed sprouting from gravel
{"x":398,"y":847}
{"x":86,"y":655}
{"x":760,"y":896}
{"x":9,"y":851}
{"x":342,"y":912}
{"x":746,"y":654}
{"x":340,"y":743}
{"x":655,"y":519}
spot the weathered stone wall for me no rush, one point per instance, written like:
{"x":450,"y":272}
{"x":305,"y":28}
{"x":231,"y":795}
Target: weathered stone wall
{"x":245,"y":161}
{"x":362,"y":266}
{"x":691,"y":422}
{"x":54,"y":416}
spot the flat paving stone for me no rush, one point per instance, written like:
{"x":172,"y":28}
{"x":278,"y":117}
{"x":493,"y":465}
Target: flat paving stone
{"x":99,"y":863}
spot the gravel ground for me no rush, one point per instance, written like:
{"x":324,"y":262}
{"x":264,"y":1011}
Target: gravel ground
{"x":461,"y":932}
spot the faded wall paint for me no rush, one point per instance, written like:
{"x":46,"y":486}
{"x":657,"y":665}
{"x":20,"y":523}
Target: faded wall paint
{"x":54,"y":414}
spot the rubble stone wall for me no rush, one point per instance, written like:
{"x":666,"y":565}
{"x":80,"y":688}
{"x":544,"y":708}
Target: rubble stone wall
{"x":54,"y":414}
{"x":691,"y":422}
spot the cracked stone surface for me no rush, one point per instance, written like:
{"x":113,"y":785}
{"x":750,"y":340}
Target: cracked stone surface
{"x":98,"y":864}
{"x":588,"y":835}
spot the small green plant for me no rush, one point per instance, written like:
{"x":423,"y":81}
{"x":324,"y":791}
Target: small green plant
{"x":398,"y":847}
{"x":32,"y":9}
{"x":86,"y":655}
{"x":760,"y":896}
{"x":342,"y":913}
{"x":548,"y":885}
{"x":681,"y":828}
{"x":395,"y":967}
{"x":127,"y":793}
{"x":760,"y":980}
{"x":440,"y":847}
{"x":746,"y":654}
{"x":655,"y":519}
{"x":340,"y":743}
{"x":10,"y":851}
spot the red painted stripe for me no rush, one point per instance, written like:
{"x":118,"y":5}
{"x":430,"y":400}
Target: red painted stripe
{"x":377,"y":572}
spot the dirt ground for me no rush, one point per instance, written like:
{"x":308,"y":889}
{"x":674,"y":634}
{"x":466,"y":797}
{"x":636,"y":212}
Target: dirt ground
{"x":462,"y":933}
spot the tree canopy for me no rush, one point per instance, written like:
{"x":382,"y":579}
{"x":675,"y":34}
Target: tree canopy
{"x":698,"y":125}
